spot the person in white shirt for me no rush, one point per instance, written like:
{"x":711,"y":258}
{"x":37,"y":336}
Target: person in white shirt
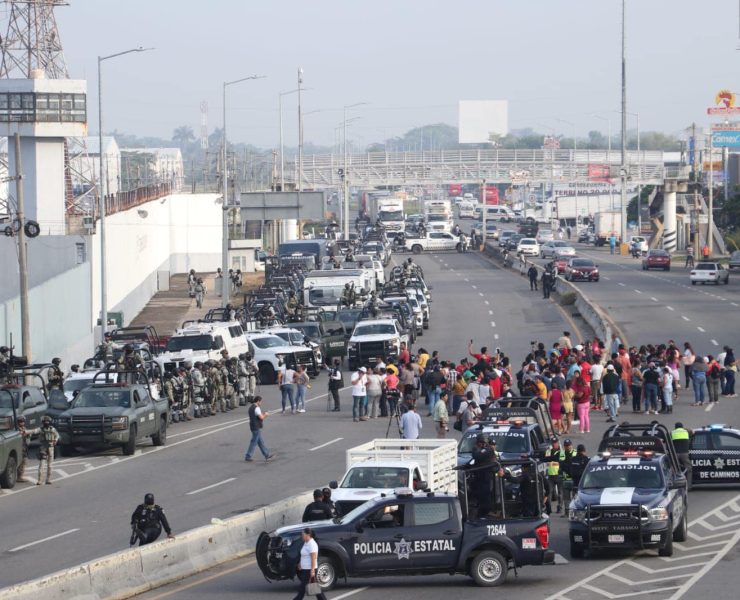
{"x":359,"y":395}
{"x":596,"y":371}
{"x":286,"y":382}
{"x":308,"y":564}
{"x":411,"y":424}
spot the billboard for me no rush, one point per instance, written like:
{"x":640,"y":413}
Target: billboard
{"x":726,"y":139}
{"x":479,"y":120}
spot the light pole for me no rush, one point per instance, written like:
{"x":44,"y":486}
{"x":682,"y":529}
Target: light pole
{"x":345,"y":199}
{"x":623,"y":165}
{"x":282,"y":153}
{"x":102,"y":193}
{"x":225,"y":198}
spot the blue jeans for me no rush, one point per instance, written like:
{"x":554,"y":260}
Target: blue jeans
{"x":729,"y":382}
{"x":611,"y":249}
{"x":432,"y":396}
{"x":651,"y":396}
{"x":611,"y":402}
{"x":359,"y":406}
{"x":300,"y":397}
{"x":257,"y":441}
{"x":699,"y":384}
{"x":288,"y":394}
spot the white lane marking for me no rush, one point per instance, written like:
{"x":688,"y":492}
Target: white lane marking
{"x":607,"y":278}
{"x":351,"y":593}
{"x":638,"y":291}
{"x":210,"y":487}
{"x":62,"y":473}
{"x":709,"y":407}
{"x":670,"y":308}
{"x":701,"y":329}
{"x":486,"y":302}
{"x":325,"y":445}
{"x":653,"y":298}
{"x":685,"y":318}
{"x":46,"y":539}
{"x":493,"y":323}
{"x":734,"y":303}
{"x":490,"y":312}
{"x":622,"y":284}
{"x":475,"y":287}
{"x":714,"y":342}
{"x":495,"y":336}
{"x":466,"y":279}
{"x":480,"y":293}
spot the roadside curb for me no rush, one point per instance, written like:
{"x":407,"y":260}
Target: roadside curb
{"x":138,"y":570}
{"x":602,"y":324}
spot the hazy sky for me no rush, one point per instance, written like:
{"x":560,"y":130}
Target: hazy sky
{"x":411,"y":61}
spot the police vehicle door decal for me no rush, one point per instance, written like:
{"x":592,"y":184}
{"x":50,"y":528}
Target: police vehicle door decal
{"x":617,"y":495}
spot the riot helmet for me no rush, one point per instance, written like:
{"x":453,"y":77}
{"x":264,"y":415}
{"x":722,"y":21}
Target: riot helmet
{"x":149,"y":499}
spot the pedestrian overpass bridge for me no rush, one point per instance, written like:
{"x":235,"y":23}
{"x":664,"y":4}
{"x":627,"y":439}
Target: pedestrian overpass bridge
{"x":516,"y":167}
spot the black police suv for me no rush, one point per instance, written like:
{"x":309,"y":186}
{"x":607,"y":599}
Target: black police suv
{"x":715,"y":455}
{"x":633,"y":494}
{"x":410,"y":533}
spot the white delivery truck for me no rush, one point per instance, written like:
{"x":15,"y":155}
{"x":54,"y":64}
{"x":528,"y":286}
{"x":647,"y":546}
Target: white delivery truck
{"x":324,"y":288}
{"x":384,"y":465}
{"x":389,"y":211}
{"x":606,"y":223}
{"x":438,"y":215}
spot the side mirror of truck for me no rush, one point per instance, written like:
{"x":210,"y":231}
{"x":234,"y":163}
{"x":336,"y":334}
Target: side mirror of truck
{"x":333,"y":485}
{"x":421,"y":485}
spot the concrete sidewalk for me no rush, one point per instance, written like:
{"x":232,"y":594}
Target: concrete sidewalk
{"x":167,"y":310}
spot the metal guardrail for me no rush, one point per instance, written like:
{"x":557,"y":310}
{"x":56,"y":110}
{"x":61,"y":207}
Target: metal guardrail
{"x":496,"y":166}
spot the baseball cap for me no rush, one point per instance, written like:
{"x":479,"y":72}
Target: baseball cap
{"x":579,"y":347}
{"x":363,"y":369}
{"x":609,"y":367}
{"x":567,"y":442}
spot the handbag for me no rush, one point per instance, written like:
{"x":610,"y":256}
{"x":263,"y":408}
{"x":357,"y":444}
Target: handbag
{"x":458,"y":425}
{"x":313,"y":588}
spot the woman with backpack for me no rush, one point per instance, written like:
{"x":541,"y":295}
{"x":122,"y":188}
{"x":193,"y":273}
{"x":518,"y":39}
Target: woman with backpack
{"x":713,"y":379}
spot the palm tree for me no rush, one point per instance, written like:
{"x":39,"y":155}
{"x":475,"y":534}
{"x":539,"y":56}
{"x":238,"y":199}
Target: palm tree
{"x":183,"y":136}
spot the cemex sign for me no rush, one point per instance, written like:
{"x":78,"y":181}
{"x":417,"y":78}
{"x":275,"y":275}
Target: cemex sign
{"x":270,"y":206}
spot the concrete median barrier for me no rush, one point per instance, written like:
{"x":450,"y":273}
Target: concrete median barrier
{"x":602,"y":324}
{"x":137,"y":570}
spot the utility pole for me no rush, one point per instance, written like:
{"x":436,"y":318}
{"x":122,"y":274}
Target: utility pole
{"x":484,"y":212}
{"x":710,"y":205}
{"x":695,"y":170}
{"x":623,"y":165}
{"x":22,"y":253}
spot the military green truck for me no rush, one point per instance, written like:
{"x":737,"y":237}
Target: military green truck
{"x":118,"y":409}
{"x":11,"y":443}
{"x":331,"y":337}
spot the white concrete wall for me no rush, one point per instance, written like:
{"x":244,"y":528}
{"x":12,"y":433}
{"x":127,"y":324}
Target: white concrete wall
{"x":179,"y":233}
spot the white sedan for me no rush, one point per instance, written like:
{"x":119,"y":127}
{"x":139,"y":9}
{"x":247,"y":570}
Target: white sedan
{"x":528,"y":247}
{"x":709,"y":272}
{"x":551,"y":248}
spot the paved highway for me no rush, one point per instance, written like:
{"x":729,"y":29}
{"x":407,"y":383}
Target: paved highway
{"x":708,"y":555}
{"x":201,"y":473}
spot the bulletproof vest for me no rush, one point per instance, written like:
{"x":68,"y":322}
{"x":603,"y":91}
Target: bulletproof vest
{"x":254,"y":421}
{"x":46,"y":436}
{"x":148,"y":517}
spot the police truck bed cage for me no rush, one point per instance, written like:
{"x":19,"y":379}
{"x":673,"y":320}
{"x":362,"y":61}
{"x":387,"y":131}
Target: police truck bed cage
{"x":122,"y":378}
{"x":653,"y":436}
{"x":145,"y":334}
{"x":19,"y":377}
{"x":529,"y":409}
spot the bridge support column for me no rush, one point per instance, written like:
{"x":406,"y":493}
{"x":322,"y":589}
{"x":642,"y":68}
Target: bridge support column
{"x":289,"y":230}
{"x":669,"y":217}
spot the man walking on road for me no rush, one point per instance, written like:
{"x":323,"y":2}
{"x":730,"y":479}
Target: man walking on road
{"x":359,"y":393}
{"x":610,"y":385}
{"x":532,"y":274}
{"x":441,"y":416}
{"x":612,"y":242}
{"x":411,"y":424}
{"x":256,"y":421}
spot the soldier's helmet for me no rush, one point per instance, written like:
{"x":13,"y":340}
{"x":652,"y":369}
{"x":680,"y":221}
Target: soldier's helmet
{"x":198,"y":364}
{"x":128,"y":348}
{"x":248,"y":356}
{"x":107,"y":335}
{"x":56,"y":361}
{"x":46,"y":420}
{"x":346,"y":285}
{"x":21,"y":420}
{"x":4,"y":349}
{"x":149,"y":499}
{"x":410,"y":260}
{"x":168,"y":375}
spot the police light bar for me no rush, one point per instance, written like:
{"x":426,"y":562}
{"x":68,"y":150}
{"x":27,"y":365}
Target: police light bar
{"x":518,"y":423}
{"x":648,"y":453}
{"x":605,"y":454}
{"x":404,"y":492}
{"x":716,"y":427}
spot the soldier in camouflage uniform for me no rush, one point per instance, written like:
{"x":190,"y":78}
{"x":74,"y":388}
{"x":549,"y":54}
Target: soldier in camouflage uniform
{"x":198,"y":380}
{"x":55,"y":375}
{"x":48,"y":438}
{"x":169,"y":391}
{"x":5,"y":367}
{"x":215,"y":386}
{"x":26,"y":437}
{"x":232,"y":378}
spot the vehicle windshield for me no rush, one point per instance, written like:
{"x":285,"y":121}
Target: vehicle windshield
{"x":391,"y":215}
{"x":292,"y":337}
{"x":526,"y":242}
{"x":508,"y":233}
{"x":582,"y":263}
{"x":189,"y":342}
{"x":270,"y":341}
{"x":558,"y":244}
{"x":310,"y":330}
{"x":658,"y":253}
{"x":437,"y":218}
{"x":325,"y":296}
{"x":93,"y":398}
{"x":705,"y":267}
{"x":5,"y":399}
{"x":75,"y":385}
{"x":375,"y":329}
{"x":376,"y":477}
{"x":299,"y":248}
{"x":348,"y":317}
{"x":506,"y":441}
{"x":623,"y":474}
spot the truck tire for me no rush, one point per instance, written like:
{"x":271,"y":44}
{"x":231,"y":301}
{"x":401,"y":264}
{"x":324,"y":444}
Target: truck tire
{"x":416,"y":249}
{"x":267,"y":373}
{"x":160,"y":438}
{"x":130,"y":447}
{"x":682,"y":531}
{"x":667,"y":550}
{"x":10,"y":475}
{"x":326,"y":572}
{"x":576,"y":550}
{"x":489,"y":569}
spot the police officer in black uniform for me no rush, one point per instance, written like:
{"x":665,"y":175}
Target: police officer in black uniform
{"x":483,"y":456}
{"x":326,"y":493}
{"x":318,"y":510}
{"x":147,"y":522}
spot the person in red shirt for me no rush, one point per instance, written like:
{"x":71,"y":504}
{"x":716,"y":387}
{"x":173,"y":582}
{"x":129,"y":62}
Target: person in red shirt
{"x":582,"y":399}
{"x":624,"y":361}
{"x":585,"y":371}
{"x":494,"y":383}
{"x":483,"y":353}
{"x":404,"y":356}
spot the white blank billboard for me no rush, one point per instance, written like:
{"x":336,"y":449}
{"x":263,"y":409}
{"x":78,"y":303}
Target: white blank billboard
{"x":480,"y":119}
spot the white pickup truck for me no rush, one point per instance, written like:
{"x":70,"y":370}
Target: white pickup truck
{"x":433,"y":240}
{"x":384,"y":465}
